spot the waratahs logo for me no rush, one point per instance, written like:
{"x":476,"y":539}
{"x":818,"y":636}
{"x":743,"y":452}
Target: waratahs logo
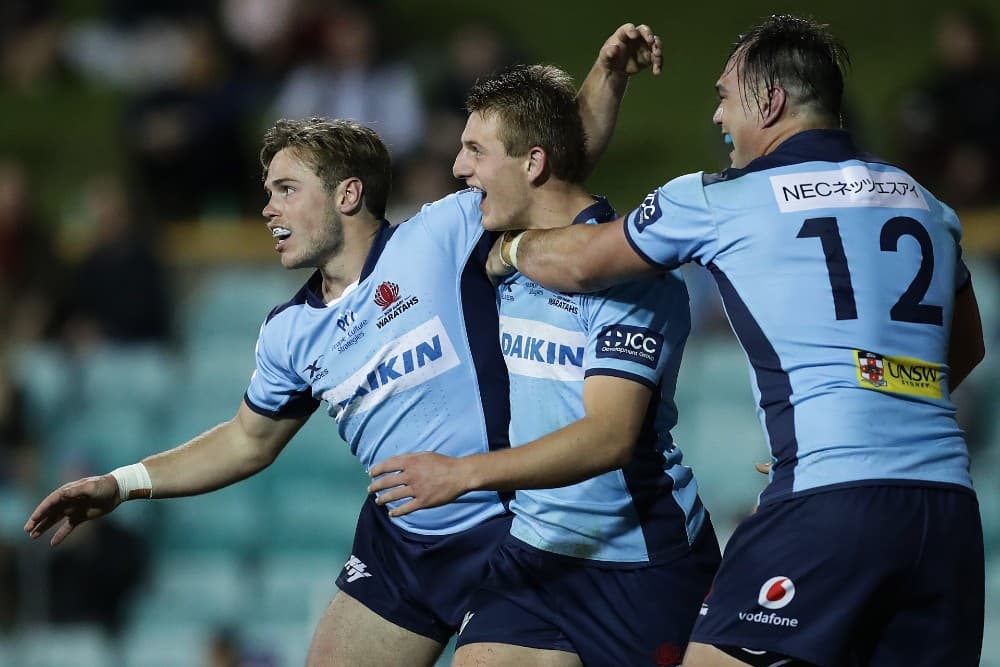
{"x":387,"y":294}
{"x":648,"y":212}
{"x":776,"y":593}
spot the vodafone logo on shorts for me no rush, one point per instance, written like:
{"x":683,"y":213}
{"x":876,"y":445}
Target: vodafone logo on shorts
{"x":776,"y":593}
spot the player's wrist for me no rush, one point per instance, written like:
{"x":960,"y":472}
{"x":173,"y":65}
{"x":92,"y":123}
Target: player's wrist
{"x":133,"y":482}
{"x":513,"y":241}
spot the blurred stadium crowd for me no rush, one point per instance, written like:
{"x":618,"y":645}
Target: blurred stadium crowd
{"x":132,"y":288}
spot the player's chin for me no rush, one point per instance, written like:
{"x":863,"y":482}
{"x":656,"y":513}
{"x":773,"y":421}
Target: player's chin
{"x":493,"y":224}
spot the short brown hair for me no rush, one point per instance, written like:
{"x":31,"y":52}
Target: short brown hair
{"x":336,"y":149}
{"x":536,"y":106}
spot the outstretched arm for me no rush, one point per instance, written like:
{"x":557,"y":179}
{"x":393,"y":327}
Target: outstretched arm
{"x":599,"y":442}
{"x":218,"y":457}
{"x":628,"y":51}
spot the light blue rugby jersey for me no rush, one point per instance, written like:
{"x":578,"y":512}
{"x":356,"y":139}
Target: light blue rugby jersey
{"x":649,"y":510}
{"x":408,"y":361}
{"x":838,"y":273}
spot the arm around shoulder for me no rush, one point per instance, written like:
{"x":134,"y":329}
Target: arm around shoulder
{"x":581,"y":258}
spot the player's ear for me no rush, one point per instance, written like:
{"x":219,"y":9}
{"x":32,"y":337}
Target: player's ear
{"x":350,"y":195}
{"x":536,"y":164}
{"x":773,"y":109}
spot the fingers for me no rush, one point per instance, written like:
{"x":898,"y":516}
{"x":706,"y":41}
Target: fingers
{"x":386,"y":482}
{"x":65,"y":528}
{"x":657,"y":55}
{"x":391,"y":464}
{"x":405,"y":508}
{"x":763,"y":468}
{"x":394,"y":494}
{"x":48,"y":512}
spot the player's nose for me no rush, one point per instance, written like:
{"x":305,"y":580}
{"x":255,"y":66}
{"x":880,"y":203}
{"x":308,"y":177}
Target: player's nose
{"x":461,"y":169}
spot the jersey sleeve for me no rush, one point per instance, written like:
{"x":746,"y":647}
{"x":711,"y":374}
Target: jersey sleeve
{"x":637,"y":330}
{"x":454,"y":225}
{"x":276,"y":390}
{"x":673,"y":224}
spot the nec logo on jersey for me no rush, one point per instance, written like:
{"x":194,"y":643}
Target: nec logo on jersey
{"x":648,"y":212}
{"x":871,"y":368}
{"x":628,"y":343}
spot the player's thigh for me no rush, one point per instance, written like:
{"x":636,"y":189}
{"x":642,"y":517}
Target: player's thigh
{"x":508,"y":655}
{"x":706,"y":655}
{"x":351,"y":635}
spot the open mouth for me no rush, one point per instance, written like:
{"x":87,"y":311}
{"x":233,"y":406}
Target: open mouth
{"x":280,"y":234}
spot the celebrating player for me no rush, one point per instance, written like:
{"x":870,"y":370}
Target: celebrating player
{"x":611,"y":567}
{"x":843,"y":280}
{"x":396,"y":333}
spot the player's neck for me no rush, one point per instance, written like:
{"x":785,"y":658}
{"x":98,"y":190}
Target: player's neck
{"x":556,"y":204}
{"x":344,"y":269}
{"x":785,"y":131}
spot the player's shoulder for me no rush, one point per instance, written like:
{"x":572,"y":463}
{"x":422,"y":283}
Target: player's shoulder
{"x":464,"y":201}
{"x":665,"y":287}
{"x":305,"y":297}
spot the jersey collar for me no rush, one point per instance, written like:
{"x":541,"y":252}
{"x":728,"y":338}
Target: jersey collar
{"x":806,"y":146}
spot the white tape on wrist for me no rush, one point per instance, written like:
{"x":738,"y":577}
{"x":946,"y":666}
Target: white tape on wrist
{"x":513,"y":250}
{"x":133,"y":481}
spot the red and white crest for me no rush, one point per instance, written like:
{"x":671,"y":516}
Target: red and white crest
{"x":387,"y":294}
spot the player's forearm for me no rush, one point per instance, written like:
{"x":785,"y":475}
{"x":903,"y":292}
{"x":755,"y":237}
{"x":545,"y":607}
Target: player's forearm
{"x":570,"y":455}
{"x":599,"y":100}
{"x":216,"y":458}
{"x":570,"y":259}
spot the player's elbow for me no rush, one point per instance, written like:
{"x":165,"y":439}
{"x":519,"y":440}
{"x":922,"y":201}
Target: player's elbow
{"x":585,"y":276}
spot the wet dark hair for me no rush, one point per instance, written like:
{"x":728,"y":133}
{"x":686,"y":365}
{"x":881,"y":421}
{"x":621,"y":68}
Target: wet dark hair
{"x":536,"y":106}
{"x":335,"y":149}
{"x":798,"y":54}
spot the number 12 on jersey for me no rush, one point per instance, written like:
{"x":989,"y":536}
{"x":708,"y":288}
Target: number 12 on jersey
{"x":909,"y":307}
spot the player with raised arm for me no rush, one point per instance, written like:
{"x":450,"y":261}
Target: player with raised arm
{"x":611,"y":551}
{"x":396,"y":333}
{"x":843,"y":280}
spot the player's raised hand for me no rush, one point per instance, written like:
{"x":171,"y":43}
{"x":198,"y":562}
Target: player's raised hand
{"x":631,"y":49}
{"x":72,"y":504}
{"x":428,"y":479}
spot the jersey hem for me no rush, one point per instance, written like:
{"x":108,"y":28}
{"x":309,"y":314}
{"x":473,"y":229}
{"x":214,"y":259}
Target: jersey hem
{"x":790,"y":495}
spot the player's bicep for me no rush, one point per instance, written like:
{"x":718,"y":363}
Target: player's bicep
{"x":264,"y":433}
{"x":616,"y":405}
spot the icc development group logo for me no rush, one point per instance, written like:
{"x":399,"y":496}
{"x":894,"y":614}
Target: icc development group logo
{"x":648,"y":212}
{"x":387,"y":294}
{"x":872,"y":368}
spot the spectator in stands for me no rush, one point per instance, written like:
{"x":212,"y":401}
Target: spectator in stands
{"x":30,"y":273}
{"x":947,"y":124}
{"x":349,"y":77}
{"x":185,"y":137}
{"x":120,"y":289}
